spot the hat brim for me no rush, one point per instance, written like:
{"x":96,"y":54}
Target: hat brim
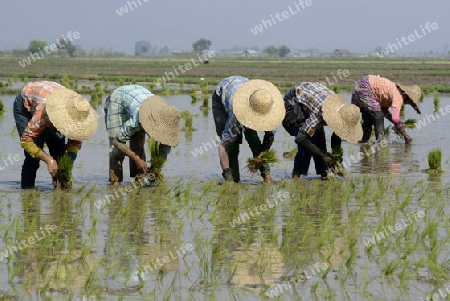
{"x":347,"y":132}
{"x":64,"y":122}
{"x":249,"y":118}
{"x":414,"y":94}
{"x":153,"y":124}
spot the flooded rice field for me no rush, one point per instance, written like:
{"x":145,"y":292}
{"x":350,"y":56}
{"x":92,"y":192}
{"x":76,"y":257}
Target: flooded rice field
{"x":379,"y":234}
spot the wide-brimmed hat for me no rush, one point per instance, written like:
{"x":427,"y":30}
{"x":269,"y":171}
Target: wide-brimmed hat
{"x":259,"y":105}
{"x":71,"y":114}
{"x":160,"y":120}
{"x":414,"y":93}
{"x":342,"y":117}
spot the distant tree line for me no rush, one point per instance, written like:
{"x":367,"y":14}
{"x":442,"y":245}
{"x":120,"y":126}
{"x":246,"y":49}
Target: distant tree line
{"x":281,"y":51}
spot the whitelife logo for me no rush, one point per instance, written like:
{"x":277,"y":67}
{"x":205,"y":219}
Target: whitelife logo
{"x":318,"y":267}
{"x":31,"y":241}
{"x":49,"y":49}
{"x":158,"y":264}
{"x":265,"y":24}
{"x":124,"y":9}
{"x":411,"y":38}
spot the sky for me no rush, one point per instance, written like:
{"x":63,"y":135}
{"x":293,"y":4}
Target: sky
{"x":357,"y":25}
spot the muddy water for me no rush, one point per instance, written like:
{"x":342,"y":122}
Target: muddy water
{"x":123,"y":243}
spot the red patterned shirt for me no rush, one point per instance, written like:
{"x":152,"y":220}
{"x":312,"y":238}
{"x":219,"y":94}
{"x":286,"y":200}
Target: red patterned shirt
{"x":34,"y":96}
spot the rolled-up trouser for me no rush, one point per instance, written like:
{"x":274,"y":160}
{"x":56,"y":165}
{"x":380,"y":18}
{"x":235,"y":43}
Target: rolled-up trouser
{"x":251,"y":136}
{"x":303,"y":157}
{"x":54,"y":140}
{"x":371,"y":113}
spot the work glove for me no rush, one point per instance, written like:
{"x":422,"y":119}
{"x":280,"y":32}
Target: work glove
{"x":327,"y":158}
{"x":306,"y":144}
{"x":227,"y":174}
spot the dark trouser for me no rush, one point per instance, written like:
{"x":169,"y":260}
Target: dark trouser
{"x":370,"y":119}
{"x":116,"y":157}
{"x":137,"y":144}
{"x":54,"y":140}
{"x":303,"y":157}
{"x":371,"y":112}
{"x":251,"y":136}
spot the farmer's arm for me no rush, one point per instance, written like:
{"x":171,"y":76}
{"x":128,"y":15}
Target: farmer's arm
{"x":229,"y":135}
{"x":129,"y":128}
{"x":36,"y":126}
{"x":397,"y":100}
{"x":268,"y":139}
{"x":130,"y":154}
{"x":223,"y":154}
{"x":309,"y":127}
{"x":73,"y":146}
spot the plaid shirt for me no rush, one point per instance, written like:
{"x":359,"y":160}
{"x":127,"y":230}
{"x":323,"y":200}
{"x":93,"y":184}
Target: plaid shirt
{"x":226,"y":90}
{"x":34,"y":97}
{"x":386,"y":92}
{"x":310,"y":96}
{"x":122,"y":118}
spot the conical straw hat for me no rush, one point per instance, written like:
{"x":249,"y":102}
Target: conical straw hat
{"x":71,"y":114}
{"x":342,"y":117}
{"x":414,"y":93}
{"x":259,"y":105}
{"x":160,"y":120}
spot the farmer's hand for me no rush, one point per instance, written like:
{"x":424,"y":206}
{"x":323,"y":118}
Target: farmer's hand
{"x":52,"y":166}
{"x":141,"y":165}
{"x":328,"y":159}
{"x":227,"y":175}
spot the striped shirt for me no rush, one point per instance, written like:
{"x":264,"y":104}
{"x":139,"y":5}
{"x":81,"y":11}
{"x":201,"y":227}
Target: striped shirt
{"x":122,"y":117}
{"x":226,"y":89}
{"x":34,"y":97}
{"x":386,"y":92}
{"x":310,"y":96}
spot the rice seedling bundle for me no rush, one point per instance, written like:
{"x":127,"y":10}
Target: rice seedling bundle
{"x":291,"y":154}
{"x":410,"y":123}
{"x":254,"y":164}
{"x":434,"y":159}
{"x":63,"y":177}
{"x":436,"y":102}
{"x":337,"y":153}
{"x":156,"y":162}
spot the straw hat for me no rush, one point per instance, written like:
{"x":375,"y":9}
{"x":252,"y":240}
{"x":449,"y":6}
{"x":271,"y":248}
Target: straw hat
{"x":342,"y":117}
{"x":160,"y":120}
{"x":414,"y":93}
{"x":258,"y":105}
{"x":71,"y":114}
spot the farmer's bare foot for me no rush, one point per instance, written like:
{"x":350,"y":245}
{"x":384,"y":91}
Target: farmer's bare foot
{"x":267,"y":179}
{"x":116,"y":183}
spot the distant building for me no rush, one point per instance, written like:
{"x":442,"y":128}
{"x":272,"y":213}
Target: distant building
{"x":251,"y":53}
{"x":341,"y":52}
